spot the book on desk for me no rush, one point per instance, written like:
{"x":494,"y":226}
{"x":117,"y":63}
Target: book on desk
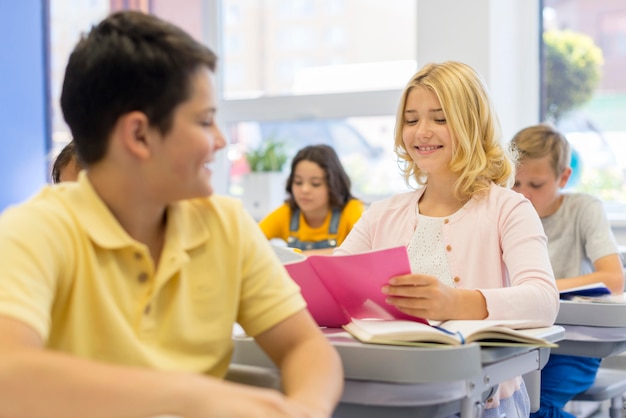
{"x":486,"y":332}
{"x":591,"y":290}
{"x":345,"y":291}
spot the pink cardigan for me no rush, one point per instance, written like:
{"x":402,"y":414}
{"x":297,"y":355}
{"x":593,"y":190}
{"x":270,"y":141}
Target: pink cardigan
{"x":496,"y":244}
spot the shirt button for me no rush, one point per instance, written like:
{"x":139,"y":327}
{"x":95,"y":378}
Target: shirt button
{"x":147,"y":310}
{"x":137,"y":256}
{"x":456,"y":279}
{"x":448,"y":248}
{"x":142,"y":277}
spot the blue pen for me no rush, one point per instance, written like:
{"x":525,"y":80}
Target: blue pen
{"x":458,"y":334}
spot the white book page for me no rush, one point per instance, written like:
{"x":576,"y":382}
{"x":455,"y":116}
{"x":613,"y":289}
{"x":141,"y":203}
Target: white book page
{"x":399,"y":330}
{"x":469,"y":327}
{"x":597,"y":285}
{"x":288,"y":255}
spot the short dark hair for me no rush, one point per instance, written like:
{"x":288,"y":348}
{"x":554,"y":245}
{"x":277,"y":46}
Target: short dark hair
{"x":336,"y":177}
{"x":130,"y":61}
{"x":67,"y":154}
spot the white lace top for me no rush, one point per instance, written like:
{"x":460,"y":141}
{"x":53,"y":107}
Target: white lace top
{"x":427,"y":251}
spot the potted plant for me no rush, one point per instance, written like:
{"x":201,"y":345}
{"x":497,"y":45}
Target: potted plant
{"x":270,"y":156}
{"x":264,"y":185}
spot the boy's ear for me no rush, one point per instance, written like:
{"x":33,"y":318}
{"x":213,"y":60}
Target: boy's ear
{"x":564,"y":177}
{"x":134,"y":129}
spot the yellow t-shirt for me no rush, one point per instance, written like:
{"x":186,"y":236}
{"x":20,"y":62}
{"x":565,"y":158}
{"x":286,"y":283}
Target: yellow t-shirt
{"x":276,"y":224}
{"x":78,"y":279}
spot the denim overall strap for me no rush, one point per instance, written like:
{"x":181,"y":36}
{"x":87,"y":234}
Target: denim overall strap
{"x":294,"y":225}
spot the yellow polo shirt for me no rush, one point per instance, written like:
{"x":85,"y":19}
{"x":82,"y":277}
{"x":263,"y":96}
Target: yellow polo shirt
{"x":71,"y":272}
{"x":276,"y":224}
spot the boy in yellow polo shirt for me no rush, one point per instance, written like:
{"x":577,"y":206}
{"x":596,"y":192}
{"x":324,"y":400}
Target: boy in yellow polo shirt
{"x":118,"y":292}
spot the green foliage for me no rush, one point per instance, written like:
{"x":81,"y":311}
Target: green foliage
{"x":606,"y":184}
{"x":573,"y":71}
{"x":270,"y":156}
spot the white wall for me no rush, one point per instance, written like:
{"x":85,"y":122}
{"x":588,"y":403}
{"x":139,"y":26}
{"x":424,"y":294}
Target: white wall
{"x":500,"y":39}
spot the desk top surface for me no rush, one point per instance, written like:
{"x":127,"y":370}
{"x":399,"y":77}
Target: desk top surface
{"x":592,"y":314}
{"x":592,"y":329}
{"x":592,"y":341}
{"x":401,"y":364}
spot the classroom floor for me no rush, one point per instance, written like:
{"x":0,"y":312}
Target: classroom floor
{"x":589,"y":409}
{"x":600,"y":412}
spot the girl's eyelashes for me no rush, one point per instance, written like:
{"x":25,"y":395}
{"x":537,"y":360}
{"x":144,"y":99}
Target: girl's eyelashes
{"x":314,"y":184}
{"x":440,"y":121}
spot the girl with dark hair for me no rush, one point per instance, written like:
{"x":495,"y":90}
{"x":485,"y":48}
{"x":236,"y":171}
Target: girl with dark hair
{"x":320,"y":210}
{"x":66,"y":165}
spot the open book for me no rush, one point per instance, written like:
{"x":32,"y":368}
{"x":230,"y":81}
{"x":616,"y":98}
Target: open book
{"x":487,"y":332}
{"x":342,"y":287}
{"x":588,"y":290}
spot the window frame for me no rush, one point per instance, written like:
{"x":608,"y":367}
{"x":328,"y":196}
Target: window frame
{"x":509,"y":30}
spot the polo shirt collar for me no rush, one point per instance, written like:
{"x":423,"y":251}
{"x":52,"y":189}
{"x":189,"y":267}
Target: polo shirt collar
{"x":185,"y":226}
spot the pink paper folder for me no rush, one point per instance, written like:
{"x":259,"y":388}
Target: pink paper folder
{"x":339,"y":288}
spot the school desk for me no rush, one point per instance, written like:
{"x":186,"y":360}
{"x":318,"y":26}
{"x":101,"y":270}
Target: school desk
{"x":592,"y":329}
{"x":597,"y":330}
{"x":399,"y":381}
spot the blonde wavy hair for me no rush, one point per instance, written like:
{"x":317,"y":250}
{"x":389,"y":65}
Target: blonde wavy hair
{"x":478,"y":156}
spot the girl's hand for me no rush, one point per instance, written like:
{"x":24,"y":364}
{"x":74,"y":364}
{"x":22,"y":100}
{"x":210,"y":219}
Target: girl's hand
{"x":422,"y":296}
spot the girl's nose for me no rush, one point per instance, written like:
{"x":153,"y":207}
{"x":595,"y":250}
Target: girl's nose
{"x":422,"y":130}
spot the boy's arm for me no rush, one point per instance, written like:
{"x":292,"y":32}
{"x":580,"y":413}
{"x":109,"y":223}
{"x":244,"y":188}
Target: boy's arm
{"x":35,"y":381}
{"x":608,"y":270}
{"x":311,"y":370}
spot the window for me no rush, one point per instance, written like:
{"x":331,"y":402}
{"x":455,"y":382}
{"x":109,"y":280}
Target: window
{"x":67,"y":23}
{"x":286,"y":31}
{"x":594,"y":125}
{"x":303,"y":85}
{"x":364,"y":145}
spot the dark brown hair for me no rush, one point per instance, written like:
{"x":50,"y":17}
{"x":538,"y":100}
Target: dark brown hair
{"x":67,"y":154}
{"x":336,"y":177}
{"x":129,"y":62}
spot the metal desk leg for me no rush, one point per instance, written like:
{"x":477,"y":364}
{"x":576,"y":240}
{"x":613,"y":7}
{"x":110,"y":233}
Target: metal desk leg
{"x":471,"y":408}
{"x":533,"y":386}
{"x":472,"y":405}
